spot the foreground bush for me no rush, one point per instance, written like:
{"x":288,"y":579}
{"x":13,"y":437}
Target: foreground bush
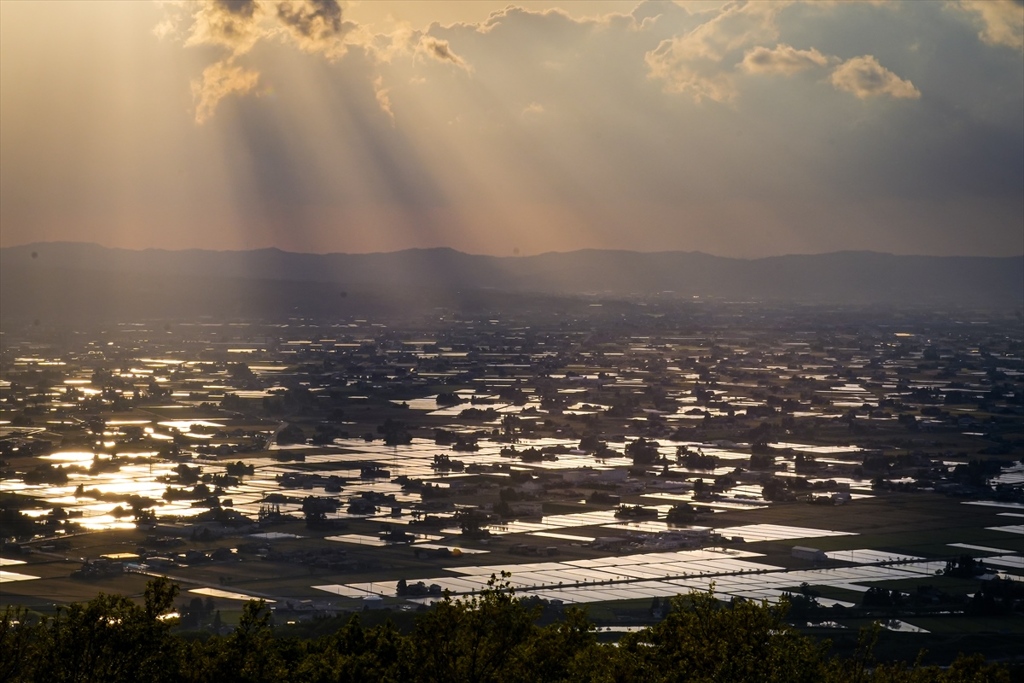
{"x":493,"y":637}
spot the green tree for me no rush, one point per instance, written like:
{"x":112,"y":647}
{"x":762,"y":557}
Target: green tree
{"x":703,"y":640}
{"x":643,"y":452}
{"x":110,"y":639}
{"x":563,"y":651}
{"x":18,"y":638}
{"x":479,"y":639}
{"x":355,"y":653}
{"x":250,"y":654}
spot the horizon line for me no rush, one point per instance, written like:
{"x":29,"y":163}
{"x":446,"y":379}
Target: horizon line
{"x":500,"y":256}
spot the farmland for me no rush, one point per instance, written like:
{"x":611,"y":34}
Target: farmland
{"x":605,"y":453}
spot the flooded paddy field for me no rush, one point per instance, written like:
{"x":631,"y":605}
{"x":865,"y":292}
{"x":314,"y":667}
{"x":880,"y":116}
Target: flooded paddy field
{"x":337,"y":466}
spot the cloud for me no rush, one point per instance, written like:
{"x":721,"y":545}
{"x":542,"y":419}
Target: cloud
{"x":700,"y":62}
{"x":440,"y":50}
{"x":735,"y":27}
{"x":233,"y":24}
{"x":783,"y":59}
{"x":237,"y":26}
{"x":699,"y":83}
{"x":532,"y":110}
{"x":219,"y":81}
{"x":383,"y":100}
{"x":865,"y":77}
{"x":1002,"y":21}
{"x":611,"y":152}
{"x":315,"y":25}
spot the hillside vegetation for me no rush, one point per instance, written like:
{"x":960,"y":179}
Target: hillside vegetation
{"x":492,"y":637}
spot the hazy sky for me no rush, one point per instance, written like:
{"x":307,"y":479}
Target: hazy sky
{"x":735,"y":129}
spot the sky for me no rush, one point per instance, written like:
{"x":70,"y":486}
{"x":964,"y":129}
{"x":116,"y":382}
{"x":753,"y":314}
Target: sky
{"x":736,"y":129}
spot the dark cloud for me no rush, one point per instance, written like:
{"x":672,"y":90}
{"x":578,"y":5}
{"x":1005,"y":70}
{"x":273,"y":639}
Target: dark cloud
{"x":233,"y":24}
{"x":316,"y":25}
{"x":242,"y":8}
{"x":441,"y":50}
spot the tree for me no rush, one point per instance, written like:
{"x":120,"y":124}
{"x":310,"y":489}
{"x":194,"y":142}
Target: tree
{"x":472,"y":522}
{"x":240,"y":372}
{"x":240,"y":469}
{"x":591,"y":443}
{"x":695,"y":460}
{"x":702,"y":639}
{"x":15,"y":523}
{"x":249,"y":654}
{"x":643,"y":452}
{"x":494,"y":636}
{"x":774,"y":489}
{"x":448,"y":399}
{"x":290,"y":434}
{"x":963,"y":567}
{"x":17,"y":643}
{"x":355,"y":653}
{"x":187,"y":475}
{"x":111,"y":638}
{"x":509,"y":424}
{"x":395,"y":433}
{"x":315,"y":510}
{"x":479,"y":639}
{"x":681,"y":514}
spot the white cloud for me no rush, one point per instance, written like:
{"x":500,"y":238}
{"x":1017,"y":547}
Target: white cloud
{"x":699,"y":81}
{"x":735,"y":27}
{"x":865,"y":77}
{"x":700,"y":62}
{"x":1002,"y":21}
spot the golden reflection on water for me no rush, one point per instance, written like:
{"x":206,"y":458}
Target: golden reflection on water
{"x":129,"y":486}
{"x":105,"y":523}
{"x":139,"y":474}
{"x":69,"y":456}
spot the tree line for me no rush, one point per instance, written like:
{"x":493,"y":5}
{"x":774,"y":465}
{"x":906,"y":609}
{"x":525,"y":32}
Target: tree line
{"x":493,"y":636}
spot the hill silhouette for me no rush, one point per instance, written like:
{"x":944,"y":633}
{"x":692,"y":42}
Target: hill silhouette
{"x":87,"y":279}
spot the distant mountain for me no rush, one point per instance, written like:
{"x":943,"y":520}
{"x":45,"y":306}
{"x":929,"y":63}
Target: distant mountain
{"x":73,"y":278}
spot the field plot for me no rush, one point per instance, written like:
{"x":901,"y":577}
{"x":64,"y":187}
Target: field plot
{"x":731,"y":573}
{"x":228,"y":595}
{"x":775,"y":532}
{"x":9,"y":576}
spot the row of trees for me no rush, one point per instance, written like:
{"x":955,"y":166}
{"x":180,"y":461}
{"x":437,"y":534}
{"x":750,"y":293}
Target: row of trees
{"x":492,"y":637}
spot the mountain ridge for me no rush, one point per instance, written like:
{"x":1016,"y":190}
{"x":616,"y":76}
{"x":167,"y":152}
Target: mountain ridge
{"x":848,"y":277}
{"x":76,"y":244}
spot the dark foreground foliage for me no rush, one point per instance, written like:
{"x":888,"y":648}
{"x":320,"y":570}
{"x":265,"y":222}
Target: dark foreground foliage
{"x":493,"y":637}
